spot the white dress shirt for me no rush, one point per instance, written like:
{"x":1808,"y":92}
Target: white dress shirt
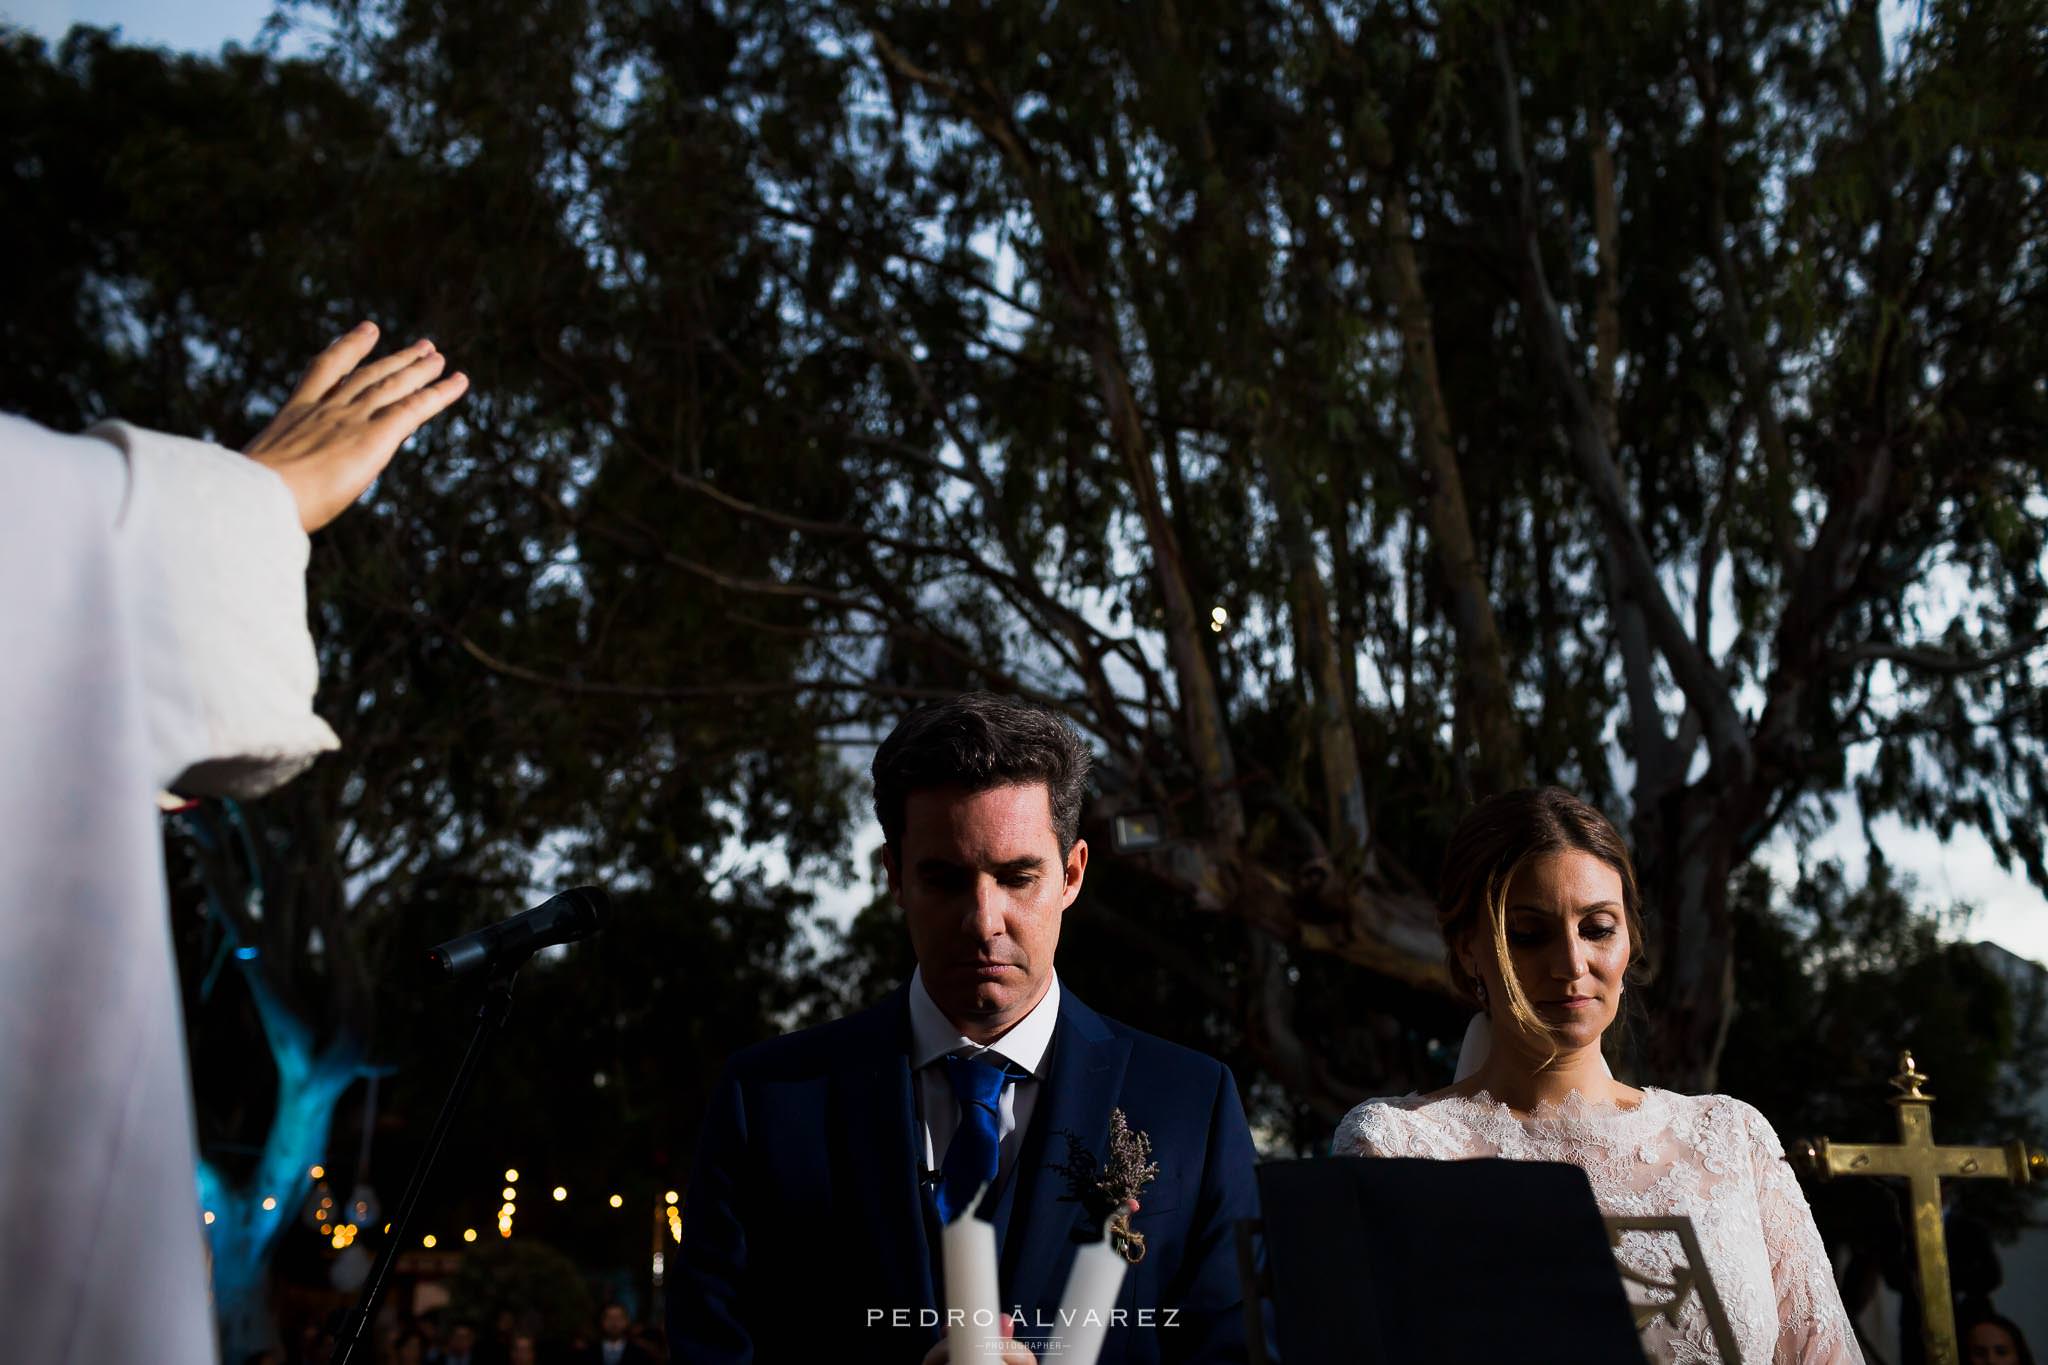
{"x":933,"y":1036}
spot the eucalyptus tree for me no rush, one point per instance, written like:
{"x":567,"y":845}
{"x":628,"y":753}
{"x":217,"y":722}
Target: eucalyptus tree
{"x":1342,"y":411}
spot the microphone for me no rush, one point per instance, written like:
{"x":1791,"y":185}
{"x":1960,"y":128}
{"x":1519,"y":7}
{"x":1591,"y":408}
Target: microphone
{"x":577,"y":913}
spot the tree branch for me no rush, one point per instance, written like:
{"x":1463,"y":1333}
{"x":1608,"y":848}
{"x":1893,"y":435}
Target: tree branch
{"x":1455,"y":554}
{"x":1727,"y":735}
{"x":1758,"y":370}
{"x":1944,"y":663}
{"x":705,"y":692}
{"x":1659,"y":763}
{"x":1207,"y":735}
{"x":1336,"y":743}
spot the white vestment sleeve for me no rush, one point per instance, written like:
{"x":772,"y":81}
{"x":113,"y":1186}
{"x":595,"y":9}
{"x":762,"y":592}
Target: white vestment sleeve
{"x":228,"y":668}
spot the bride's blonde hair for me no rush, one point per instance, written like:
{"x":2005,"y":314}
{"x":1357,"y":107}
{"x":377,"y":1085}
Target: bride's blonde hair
{"x":1491,"y":844}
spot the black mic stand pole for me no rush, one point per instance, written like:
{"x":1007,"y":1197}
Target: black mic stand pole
{"x":490,"y":1018}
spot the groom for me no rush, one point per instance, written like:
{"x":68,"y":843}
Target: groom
{"x":830,"y":1158}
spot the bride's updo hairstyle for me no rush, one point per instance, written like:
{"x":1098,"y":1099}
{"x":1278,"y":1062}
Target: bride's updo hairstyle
{"x":1490,"y":845}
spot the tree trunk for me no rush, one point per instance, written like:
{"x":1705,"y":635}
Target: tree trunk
{"x":1685,"y":850}
{"x":1350,"y":831}
{"x":244,"y":1235}
{"x":1485,"y":693}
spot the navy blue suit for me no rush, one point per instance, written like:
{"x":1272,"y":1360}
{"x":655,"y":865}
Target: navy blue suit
{"x":807,"y":1233}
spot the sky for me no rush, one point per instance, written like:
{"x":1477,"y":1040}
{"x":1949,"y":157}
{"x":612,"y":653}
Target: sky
{"x":201,"y":27}
{"x":2009,"y":911}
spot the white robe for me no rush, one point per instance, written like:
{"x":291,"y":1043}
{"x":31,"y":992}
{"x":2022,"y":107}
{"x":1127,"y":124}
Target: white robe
{"x":152,"y":634}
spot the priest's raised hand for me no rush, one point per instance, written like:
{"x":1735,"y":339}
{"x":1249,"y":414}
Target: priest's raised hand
{"x":347,"y":419}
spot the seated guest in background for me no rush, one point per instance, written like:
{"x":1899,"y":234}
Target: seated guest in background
{"x":429,"y":1328}
{"x":830,"y":1158}
{"x":1542,"y":925}
{"x":613,"y":1347}
{"x":461,"y":1346}
{"x":1991,"y":1340}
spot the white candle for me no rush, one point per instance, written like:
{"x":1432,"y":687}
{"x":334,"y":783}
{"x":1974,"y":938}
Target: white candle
{"x":1092,"y":1288}
{"x":974,"y":1327}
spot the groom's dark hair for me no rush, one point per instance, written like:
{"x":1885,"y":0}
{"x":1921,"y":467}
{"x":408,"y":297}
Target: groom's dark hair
{"x":977,"y":741}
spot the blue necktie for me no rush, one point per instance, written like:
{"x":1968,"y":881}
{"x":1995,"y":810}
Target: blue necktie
{"x":974,"y":1155}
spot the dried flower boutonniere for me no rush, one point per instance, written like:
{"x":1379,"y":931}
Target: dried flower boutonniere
{"x":1110,"y":1192}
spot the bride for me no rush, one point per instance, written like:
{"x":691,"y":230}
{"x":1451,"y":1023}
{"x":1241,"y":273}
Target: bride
{"x":1543,"y":925}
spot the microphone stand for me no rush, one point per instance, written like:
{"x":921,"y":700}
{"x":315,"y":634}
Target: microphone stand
{"x":490,"y":1018}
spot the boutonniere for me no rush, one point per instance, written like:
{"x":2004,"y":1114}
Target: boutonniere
{"x":1109,"y":1191}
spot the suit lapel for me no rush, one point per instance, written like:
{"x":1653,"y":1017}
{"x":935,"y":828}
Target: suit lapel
{"x":880,"y":1130}
{"x":1086,"y":1078}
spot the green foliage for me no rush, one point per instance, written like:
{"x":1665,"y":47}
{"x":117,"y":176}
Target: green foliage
{"x":540,"y":1288}
{"x":1838,"y":980}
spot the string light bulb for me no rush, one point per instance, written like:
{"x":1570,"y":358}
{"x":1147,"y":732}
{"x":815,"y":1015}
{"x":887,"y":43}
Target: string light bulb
{"x":269,"y":1202}
{"x":469,"y":1234}
{"x":618,"y":1201}
{"x":318,"y":1172}
{"x":511,"y":1177}
{"x":671,"y":1197}
{"x":561,"y":1193}
{"x":428,"y":1241}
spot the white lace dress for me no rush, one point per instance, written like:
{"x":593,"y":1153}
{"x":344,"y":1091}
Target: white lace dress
{"x":1708,"y":1157}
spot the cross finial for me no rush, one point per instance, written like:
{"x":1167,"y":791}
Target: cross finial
{"x":1909,"y":1080}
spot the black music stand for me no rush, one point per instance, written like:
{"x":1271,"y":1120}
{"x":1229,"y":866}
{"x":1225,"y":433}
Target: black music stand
{"x":1372,"y":1260}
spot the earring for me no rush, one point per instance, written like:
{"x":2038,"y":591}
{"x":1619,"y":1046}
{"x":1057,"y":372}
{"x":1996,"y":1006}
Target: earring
{"x":1479,"y":989}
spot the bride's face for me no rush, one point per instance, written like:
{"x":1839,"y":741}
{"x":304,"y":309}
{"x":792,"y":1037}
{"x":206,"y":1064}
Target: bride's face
{"x":1568,"y":943}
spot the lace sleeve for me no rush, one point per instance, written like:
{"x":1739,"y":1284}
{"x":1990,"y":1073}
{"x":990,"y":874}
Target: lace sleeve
{"x":1363,"y":1132}
{"x":1400,"y":1128}
{"x":1813,"y":1328}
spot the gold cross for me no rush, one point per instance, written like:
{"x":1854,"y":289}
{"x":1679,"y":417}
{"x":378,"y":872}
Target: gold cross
{"x":1923,"y":1165}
